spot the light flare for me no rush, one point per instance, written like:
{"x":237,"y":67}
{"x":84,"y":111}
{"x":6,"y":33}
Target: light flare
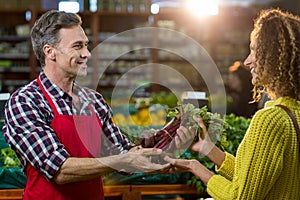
{"x":203,"y":7}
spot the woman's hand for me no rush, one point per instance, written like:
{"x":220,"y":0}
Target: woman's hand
{"x":193,"y":166}
{"x":204,"y":145}
{"x":180,"y":165}
{"x":185,"y":136}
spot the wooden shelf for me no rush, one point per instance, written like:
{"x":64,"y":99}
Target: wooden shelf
{"x":129,"y":191}
{"x":13,"y":17}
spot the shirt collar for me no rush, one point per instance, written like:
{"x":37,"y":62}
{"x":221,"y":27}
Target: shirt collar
{"x":51,"y":88}
{"x":58,"y":93}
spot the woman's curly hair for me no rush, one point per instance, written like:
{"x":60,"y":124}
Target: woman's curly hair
{"x":277,"y":53}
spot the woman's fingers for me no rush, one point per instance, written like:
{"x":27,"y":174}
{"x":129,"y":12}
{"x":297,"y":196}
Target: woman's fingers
{"x":200,"y":123}
{"x":178,"y":165}
{"x":169,"y":160}
{"x":184,"y":137}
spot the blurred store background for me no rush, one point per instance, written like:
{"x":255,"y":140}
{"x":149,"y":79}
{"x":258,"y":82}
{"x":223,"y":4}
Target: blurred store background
{"x":128,"y":60}
{"x":147,"y":57}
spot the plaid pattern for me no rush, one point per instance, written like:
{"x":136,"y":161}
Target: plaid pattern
{"x":28,"y":116}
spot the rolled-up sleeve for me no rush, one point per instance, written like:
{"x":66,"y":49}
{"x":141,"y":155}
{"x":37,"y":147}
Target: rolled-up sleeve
{"x":33,"y":140}
{"x":115,"y":141}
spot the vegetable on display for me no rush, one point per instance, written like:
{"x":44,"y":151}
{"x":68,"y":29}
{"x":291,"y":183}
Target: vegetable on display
{"x":9,"y":158}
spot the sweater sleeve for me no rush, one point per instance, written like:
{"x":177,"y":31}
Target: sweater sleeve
{"x":227,"y":167}
{"x":259,"y":160}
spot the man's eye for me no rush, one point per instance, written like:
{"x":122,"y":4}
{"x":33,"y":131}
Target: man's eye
{"x":78,"y":46}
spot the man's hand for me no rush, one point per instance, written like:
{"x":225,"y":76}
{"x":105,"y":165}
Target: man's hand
{"x":136,"y":160}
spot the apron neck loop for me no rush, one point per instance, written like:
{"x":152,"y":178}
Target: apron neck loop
{"x":47,"y":96}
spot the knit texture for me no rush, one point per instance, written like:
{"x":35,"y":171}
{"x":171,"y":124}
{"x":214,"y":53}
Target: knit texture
{"x":267,"y":161}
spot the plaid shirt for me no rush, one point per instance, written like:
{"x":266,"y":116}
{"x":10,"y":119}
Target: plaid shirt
{"x":28,"y":116}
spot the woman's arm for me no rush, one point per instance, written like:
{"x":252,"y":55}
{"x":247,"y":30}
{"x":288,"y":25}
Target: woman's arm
{"x":193,"y":166}
{"x":204,"y":145}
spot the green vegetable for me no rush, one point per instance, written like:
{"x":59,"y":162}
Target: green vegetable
{"x":237,"y":127}
{"x":9,"y":158}
{"x":213,"y":121}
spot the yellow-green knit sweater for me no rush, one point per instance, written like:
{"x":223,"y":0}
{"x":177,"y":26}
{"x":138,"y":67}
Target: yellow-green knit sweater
{"x":267,"y":163}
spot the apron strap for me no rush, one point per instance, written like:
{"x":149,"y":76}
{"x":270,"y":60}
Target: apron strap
{"x":47,"y":96}
{"x":51,"y":102}
{"x":289,"y":112}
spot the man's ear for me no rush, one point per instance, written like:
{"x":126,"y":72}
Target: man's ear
{"x":49,"y":52}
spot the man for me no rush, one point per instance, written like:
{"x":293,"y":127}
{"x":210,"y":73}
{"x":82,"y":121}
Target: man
{"x":55,"y":126}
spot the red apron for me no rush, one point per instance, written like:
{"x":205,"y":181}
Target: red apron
{"x":81,"y":136}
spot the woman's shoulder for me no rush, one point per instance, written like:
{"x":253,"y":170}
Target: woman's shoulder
{"x":270,"y":116}
{"x":273,"y":110}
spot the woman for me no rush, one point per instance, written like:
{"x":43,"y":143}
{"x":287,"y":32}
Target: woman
{"x":266,"y":165}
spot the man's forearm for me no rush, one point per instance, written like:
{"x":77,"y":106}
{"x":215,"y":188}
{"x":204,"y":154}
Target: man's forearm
{"x":80,"y":169}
